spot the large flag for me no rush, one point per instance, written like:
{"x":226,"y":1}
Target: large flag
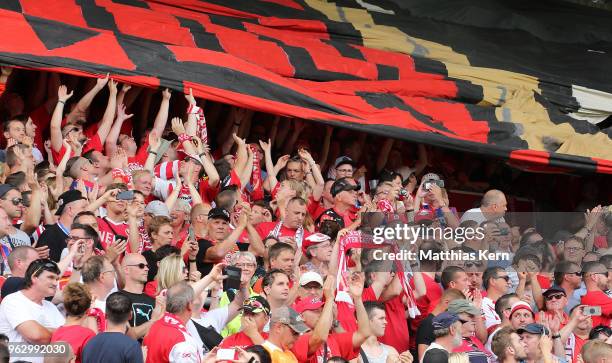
{"x":523,"y":80}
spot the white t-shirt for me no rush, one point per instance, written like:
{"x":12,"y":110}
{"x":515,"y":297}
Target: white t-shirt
{"x":491,"y":317}
{"x":216,"y":319}
{"x":16,"y":309}
{"x":475,"y":214}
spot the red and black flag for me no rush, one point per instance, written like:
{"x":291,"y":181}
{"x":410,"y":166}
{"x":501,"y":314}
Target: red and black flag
{"x":527,"y":81}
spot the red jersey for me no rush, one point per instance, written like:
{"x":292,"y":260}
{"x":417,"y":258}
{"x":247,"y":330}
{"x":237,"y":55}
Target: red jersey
{"x":109,"y":230}
{"x":599,"y":298}
{"x":425,"y":304}
{"x":265,"y":228}
{"x":169,"y":341}
{"x":239,"y":340}
{"x":396,"y":332}
{"x":92,"y":144}
{"x":338,"y":345}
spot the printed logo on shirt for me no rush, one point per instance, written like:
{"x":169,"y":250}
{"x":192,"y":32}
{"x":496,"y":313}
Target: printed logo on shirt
{"x":142,"y":313}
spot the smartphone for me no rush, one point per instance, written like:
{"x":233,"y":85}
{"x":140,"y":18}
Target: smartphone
{"x":119,"y":238}
{"x":592,"y":310}
{"x":233,"y":278}
{"x":125,"y":195}
{"x":226,"y":354}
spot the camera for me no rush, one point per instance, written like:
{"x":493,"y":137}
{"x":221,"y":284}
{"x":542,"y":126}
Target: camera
{"x":429,"y":183}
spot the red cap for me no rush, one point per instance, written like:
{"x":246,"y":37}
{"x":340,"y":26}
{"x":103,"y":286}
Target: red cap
{"x":314,"y":239}
{"x":308,"y":304}
{"x":520,"y":305}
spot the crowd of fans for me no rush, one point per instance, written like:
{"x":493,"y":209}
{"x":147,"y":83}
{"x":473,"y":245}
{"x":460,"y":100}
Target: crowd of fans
{"x":228,"y":235}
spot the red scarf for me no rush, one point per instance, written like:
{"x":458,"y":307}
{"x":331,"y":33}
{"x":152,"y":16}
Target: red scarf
{"x":255,"y":181}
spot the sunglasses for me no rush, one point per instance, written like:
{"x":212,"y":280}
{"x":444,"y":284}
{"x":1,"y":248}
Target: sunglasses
{"x":554,"y":297}
{"x":507,"y":278}
{"x":473,"y":264}
{"x":16,"y":201}
{"x":603,"y":329}
{"x":140,"y":265}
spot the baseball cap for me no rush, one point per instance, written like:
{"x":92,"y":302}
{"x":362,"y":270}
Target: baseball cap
{"x":444,"y":320}
{"x":553,"y":290}
{"x":533,"y":328}
{"x":308,"y":304}
{"x":314,"y":239}
{"x":256,"y":304}
{"x":157,"y":208}
{"x":67,"y":197}
{"x":310,"y":276}
{"x":344,"y":160}
{"x":342,"y":185}
{"x":4,"y":188}
{"x":520,"y":305}
{"x":286,"y":315}
{"x":219,"y":213}
{"x":431,"y":176}
{"x":463,"y":306}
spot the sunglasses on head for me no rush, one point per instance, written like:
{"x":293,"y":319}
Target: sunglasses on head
{"x":45,"y":265}
{"x":139,"y":265}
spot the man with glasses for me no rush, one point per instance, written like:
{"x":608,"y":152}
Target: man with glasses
{"x":573,"y":250}
{"x":144,"y":312}
{"x":247,"y":263}
{"x":568,"y":276}
{"x":318,"y":249}
{"x":555,"y":302}
{"x":595,"y":276}
{"x":255,"y":316}
{"x":70,"y":204}
{"x":286,"y":326}
{"x":311,"y":286}
{"x":344,"y":192}
{"x":25,"y":316}
{"x":472,"y":330}
{"x":497,"y":282}
{"x":12,"y":203}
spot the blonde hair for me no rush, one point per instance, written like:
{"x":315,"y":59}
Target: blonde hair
{"x":593,"y":350}
{"x":169,"y":272}
{"x":458,"y":358}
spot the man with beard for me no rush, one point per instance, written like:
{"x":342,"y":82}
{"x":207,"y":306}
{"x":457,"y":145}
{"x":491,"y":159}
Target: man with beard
{"x":447,"y":330}
{"x":507,"y":346}
{"x":595,"y":276}
{"x":568,"y":276}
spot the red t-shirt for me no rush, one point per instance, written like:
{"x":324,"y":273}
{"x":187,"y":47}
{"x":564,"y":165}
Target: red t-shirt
{"x":265,"y":228}
{"x":41,"y":118}
{"x":92,"y":144}
{"x":346,"y":316}
{"x":239,"y":340}
{"x":544,"y":281}
{"x":425,"y":304}
{"x":599,"y":298}
{"x":338,"y":345}
{"x":75,"y":335}
{"x":396,"y":332}
{"x":109,"y":230}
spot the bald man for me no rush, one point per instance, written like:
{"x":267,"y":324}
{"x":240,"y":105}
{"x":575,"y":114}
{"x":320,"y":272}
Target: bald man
{"x":135,"y":270}
{"x":493,"y":207}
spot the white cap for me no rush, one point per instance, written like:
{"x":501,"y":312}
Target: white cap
{"x":310,"y":276}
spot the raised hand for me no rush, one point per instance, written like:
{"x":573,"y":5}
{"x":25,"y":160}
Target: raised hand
{"x":329,"y":288}
{"x":112,"y":86}
{"x":356,"y":284}
{"x":177,"y":126}
{"x":62,"y":94}
{"x":283,"y":160}
{"x":592,"y":216}
{"x":154,"y":140}
{"x":239,"y":141}
{"x":166,"y":94}
{"x":101,"y":82}
{"x":265,"y":146}
{"x":121,"y":115}
{"x":125,"y":88}
{"x":189,"y":97}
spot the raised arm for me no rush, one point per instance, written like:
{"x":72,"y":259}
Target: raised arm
{"x":320,"y":332}
{"x":363,"y":323}
{"x":319,"y":182}
{"x":84,"y":103}
{"x":271,"y":176}
{"x":109,"y":113}
{"x":219,"y":250}
{"x":110,"y":144}
{"x":31,"y":218}
{"x":56,"y":118}
{"x":162,"y":115}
